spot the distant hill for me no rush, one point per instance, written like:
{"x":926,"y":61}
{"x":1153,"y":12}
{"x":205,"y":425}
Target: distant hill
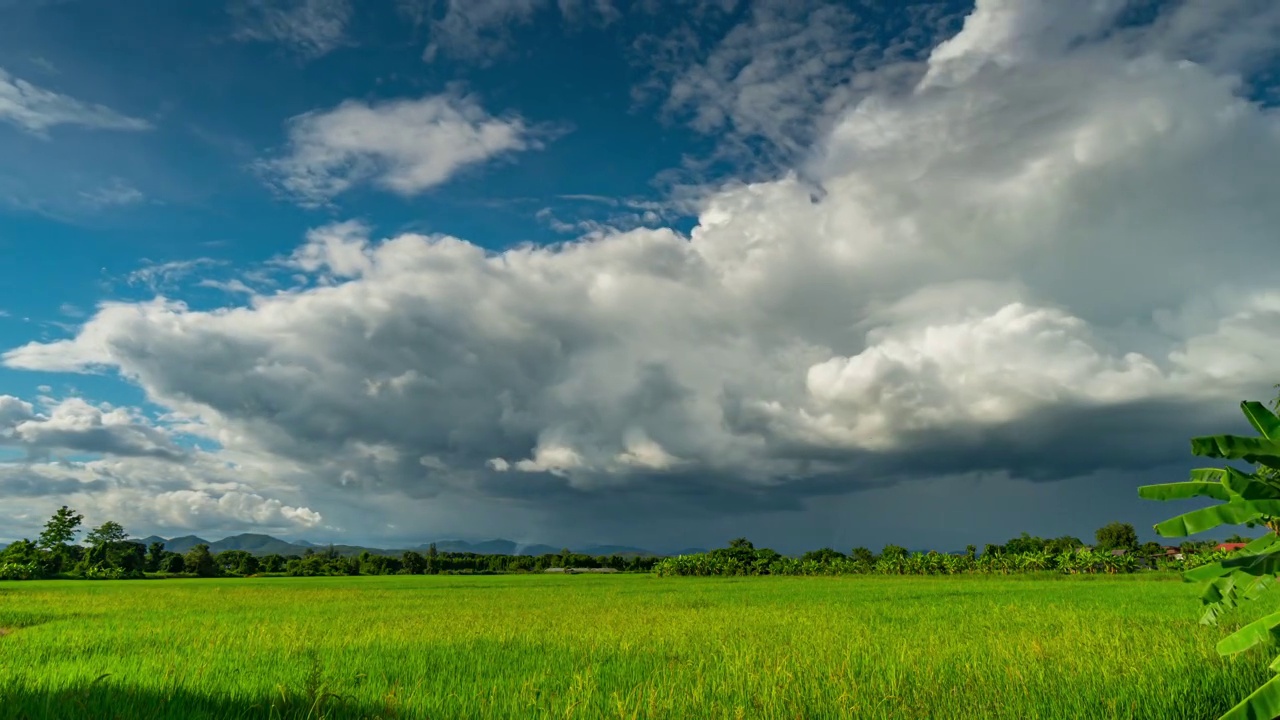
{"x":624,"y":550}
{"x":267,"y":545}
{"x":184,"y":543}
{"x":148,"y":540}
{"x":256,"y":544}
{"x":690,"y":551}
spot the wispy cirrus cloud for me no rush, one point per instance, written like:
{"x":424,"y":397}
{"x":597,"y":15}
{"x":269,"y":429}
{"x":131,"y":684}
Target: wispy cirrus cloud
{"x":311,"y":28}
{"x":36,"y":109}
{"x":117,"y":192}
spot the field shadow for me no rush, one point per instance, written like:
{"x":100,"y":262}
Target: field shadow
{"x":101,"y":701}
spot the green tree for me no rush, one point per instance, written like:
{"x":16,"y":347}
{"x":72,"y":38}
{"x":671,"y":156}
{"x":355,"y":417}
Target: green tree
{"x":1066,"y":543}
{"x":56,"y":537}
{"x":893,"y":551}
{"x":1023,"y":544}
{"x":971,"y":551}
{"x":413,"y":563}
{"x":825,"y":556}
{"x":433,"y":560}
{"x":862,"y":555}
{"x":60,"y":530}
{"x":155,"y":556}
{"x":21,"y":552}
{"x":249,"y":565}
{"x":199,"y":561}
{"x":108,"y":533}
{"x":173,"y":563}
{"x":1117,"y":536}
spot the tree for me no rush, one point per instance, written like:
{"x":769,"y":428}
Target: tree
{"x":824,"y":556}
{"x":433,"y":560}
{"x":21,"y":552}
{"x":1117,"y":536}
{"x":971,"y":551}
{"x":413,"y":563}
{"x":155,"y":556}
{"x":893,"y":551}
{"x":58,"y":533}
{"x":108,"y":533}
{"x":60,"y":530}
{"x":249,"y":565}
{"x":862,"y":555}
{"x":173,"y":563}
{"x":199,"y":561}
{"x":1066,"y":543}
{"x":1244,"y":498}
{"x":1023,"y":544}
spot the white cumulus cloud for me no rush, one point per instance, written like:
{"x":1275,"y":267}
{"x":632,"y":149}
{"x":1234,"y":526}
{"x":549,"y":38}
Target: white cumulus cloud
{"x":403,"y":146}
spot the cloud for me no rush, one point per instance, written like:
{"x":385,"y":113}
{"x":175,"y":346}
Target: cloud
{"x":479,"y":31}
{"x":403,"y":146}
{"x":115,"y":193}
{"x":160,"y":277}
{"x":36,"y":109}
{"x":311,"y":28}
{"x":774,"y":81}
{"x":75,"y":425}
{"x":147,"y":496}
{"x":1046,"y":260}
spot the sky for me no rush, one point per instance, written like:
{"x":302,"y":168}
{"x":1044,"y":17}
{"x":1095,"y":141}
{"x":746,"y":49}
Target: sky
{"x":653,"y":272}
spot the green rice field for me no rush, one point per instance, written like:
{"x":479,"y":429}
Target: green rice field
{"x":624,"y":646}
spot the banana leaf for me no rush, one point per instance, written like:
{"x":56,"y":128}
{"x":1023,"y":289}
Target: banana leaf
{"x":1233,"y":513}
{"x":1234,"y":447}
{"x":1262,"y":419}
{"x":1208,"y":475}
{"x":1226,"y":593}
{"x":1262,"y":704}
{"x":1184,"y":490}
{"x":1244,"y":557}
{"x":1246,"y":637}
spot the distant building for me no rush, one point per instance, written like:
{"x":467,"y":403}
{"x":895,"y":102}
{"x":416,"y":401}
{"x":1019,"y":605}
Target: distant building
{"x":1229,"y":547}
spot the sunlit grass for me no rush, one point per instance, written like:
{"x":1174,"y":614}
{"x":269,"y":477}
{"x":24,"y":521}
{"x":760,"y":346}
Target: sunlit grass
{"x":617,"y":646}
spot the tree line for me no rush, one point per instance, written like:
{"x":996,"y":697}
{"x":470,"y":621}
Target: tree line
{"x":1116,"y":550}
{"x":108,"y":554}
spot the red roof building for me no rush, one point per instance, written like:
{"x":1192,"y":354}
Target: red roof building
{"x":1229,"y":547}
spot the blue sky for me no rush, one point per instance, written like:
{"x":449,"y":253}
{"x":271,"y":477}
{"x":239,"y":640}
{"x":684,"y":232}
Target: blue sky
{"x":645,"y":272}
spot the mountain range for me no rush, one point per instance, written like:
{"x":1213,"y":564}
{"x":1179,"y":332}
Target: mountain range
{"x":267,"y":545}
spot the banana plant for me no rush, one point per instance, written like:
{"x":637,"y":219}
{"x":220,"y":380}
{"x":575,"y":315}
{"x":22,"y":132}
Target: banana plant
{"x":1242,"y":576}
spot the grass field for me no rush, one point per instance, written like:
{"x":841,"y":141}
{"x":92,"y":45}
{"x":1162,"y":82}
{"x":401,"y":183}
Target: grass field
{"x":617,"y":647}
